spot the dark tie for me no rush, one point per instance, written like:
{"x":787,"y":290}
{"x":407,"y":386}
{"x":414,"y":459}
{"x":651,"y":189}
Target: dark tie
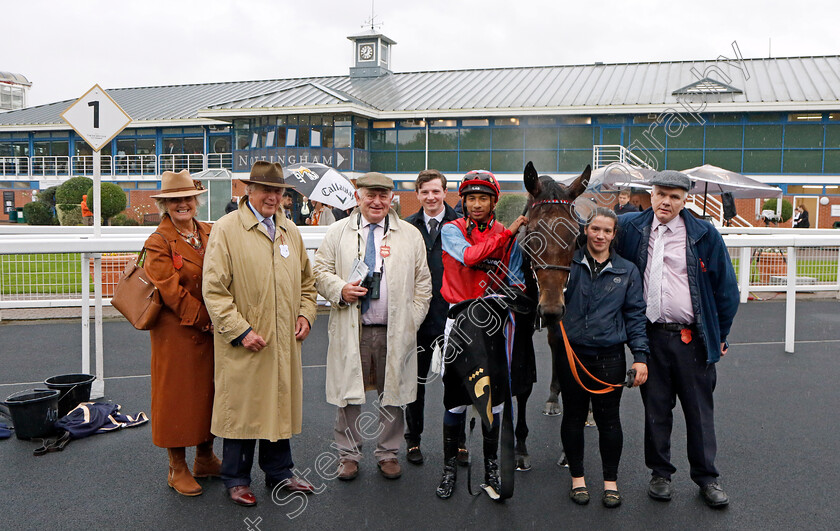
{"x":370,"y":259}
{"x":434,"y":229}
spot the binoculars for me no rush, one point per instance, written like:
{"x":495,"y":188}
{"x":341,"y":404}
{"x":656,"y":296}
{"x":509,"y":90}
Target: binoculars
{"x":372,"y":282}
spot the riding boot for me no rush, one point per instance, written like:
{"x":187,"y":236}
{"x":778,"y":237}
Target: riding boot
{"x":450,"y":464}
{"x":491,"y":460}
{"x":180,"y":478}
{"x":206,"y":463}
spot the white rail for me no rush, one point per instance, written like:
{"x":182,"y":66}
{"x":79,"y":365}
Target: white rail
{"x":606,"y":154}
{"x":118,"y":165}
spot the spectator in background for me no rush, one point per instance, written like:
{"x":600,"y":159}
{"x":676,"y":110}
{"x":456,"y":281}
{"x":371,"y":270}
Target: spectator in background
{"x":800,"y":218}
{"x":231,"y":206}
{"x":624,"y":206}
{"x":320,"y":215}
{"x":289,"y":204}
{"x":87,"y":215}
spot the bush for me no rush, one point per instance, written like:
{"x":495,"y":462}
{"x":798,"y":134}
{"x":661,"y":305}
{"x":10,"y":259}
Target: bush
{"x":122,"y":220}
{"x":71,"y":191}
{"x":69,"y":215}
{"x":787,"y":208}
{"x":38,"y":213}
{"x":113,"y":199}
{"x":510,"y":207}
{"x":48,"y":196}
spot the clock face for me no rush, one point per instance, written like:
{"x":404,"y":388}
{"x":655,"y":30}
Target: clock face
{"x":366,"y":52}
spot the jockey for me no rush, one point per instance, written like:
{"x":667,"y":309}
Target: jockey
{"x":480,"y":256}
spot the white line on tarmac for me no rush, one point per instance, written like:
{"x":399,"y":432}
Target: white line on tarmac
{"x":126,"y":377}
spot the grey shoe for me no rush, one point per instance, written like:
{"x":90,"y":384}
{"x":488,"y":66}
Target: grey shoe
{"x":714,"y":496}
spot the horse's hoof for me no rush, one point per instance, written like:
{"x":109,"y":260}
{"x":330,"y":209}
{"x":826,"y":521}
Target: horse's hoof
{"x":523,"y":462}
{"x":563,"y":462}
{"x":551,"y":409}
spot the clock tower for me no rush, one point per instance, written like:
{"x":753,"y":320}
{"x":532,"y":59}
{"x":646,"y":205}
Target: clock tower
{"x":371,"y":54}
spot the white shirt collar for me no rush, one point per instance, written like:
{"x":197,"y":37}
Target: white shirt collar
{"x":439,"y":217}
{"x":260,"y":217}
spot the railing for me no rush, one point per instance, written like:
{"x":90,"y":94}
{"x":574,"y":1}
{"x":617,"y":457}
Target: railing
{"x":114,"y":166}
{"x":714,"y":209}
{"x":220,"y":160}
{"x":606,"y":154}
{"x":50,"y":166}
{"x":177,"y":162}
{"x":14,"y":166}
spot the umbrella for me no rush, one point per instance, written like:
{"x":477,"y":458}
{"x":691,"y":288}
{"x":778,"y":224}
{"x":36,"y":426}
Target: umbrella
{"x":321,"y":183}
{"x":619,"y":175}
{"x":711,"y":179}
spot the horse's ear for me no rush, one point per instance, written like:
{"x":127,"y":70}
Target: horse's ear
{"x":532,"y":180}
{"x":580,"y":184}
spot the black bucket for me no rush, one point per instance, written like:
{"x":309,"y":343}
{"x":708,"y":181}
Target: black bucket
{"x":74,"y":388}
{"x":33,"y":412}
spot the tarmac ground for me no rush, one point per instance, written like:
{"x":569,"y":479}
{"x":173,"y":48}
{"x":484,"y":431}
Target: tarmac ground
{"x":777,"y":434}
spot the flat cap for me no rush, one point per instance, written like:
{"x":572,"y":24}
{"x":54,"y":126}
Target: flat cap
{"x":375,"y":180}
{"x":671,"y":179}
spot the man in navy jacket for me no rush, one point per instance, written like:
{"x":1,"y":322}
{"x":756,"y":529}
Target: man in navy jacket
{"x":431,"y":191}
{"x":692,"y":297}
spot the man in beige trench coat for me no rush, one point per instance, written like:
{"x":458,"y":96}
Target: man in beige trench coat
{"x":372,"y":340}
{"x":260,"y":293}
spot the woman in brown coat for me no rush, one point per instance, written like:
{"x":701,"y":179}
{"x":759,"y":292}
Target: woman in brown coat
{"x":182,"y":341}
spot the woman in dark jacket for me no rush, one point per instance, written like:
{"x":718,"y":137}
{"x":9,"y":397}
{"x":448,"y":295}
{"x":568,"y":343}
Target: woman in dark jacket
{"x":182,"y":341}
{"x":605,"y":309}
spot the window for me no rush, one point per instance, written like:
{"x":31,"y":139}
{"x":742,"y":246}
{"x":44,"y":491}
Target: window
{"x":684,"y":159}
{"x":804,"y":136}
{"x":724,"y":136}
{"x":475,"y":122}
{"x":475,"y":139}
{"x":384,"y":125}
{"x":444,"y":123}
{"x":507,"y":138}
{"x":762,"y":161}
{"x":541,"y":138}
{"x":474,"y":160}
{"x":412,"y":139}
{"x":576,"y":138}
{"x":728,"y":160}
{"x":762,"y":136}
{"x":412,"y":123}
{"x":291,"y":137}
{"x":444,"y":139}
{"x":689,"y":137}
{"x":802,"y":161}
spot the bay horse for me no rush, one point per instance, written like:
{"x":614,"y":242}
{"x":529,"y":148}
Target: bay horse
{"x":548,"y":244}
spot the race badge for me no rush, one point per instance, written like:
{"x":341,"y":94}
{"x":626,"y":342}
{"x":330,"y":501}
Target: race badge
{"x":384,"y":251}
{"x":177,"y":261}
{"x":284,"y":251}
{"x":685,"y":335}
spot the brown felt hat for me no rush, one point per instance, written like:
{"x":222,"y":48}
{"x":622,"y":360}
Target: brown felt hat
{"x":375,"y":180}
{"x":267,"y":174}
{"x":178,"y":185}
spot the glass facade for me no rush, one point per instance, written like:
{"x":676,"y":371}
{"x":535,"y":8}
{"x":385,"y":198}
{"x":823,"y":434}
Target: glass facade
{"x":750,"y":143}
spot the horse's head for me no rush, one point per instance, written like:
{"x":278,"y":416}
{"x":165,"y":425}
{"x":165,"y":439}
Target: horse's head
{"x":550,"y":236}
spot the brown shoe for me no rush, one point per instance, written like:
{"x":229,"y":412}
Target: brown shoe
{"x":348,"y":470}
{"x":180,"y":478}
{"x":206,"y":463}
{"x":390,"y":468}
{"x":242,"y":495}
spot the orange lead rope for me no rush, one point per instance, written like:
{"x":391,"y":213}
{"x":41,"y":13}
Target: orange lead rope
{"x":574,"y":362}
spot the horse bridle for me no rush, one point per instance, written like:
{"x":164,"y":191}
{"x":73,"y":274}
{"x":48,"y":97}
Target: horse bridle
{"x":535,"y":266}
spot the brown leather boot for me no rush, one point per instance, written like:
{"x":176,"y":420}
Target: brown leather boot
{"x":180,"y":478}
{"x":206,"y":464}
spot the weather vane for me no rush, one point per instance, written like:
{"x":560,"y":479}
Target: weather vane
{"x":372,"y":20}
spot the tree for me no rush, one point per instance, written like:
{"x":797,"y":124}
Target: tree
{"x":113,"y":199}
{"x":48,"y":196}
{"x":510,"y":207}
{"x":38,"y":213}
{"x":71,"y":191}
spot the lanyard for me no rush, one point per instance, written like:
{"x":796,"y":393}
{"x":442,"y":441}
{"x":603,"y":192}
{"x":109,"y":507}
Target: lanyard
{"x":358,"y":245}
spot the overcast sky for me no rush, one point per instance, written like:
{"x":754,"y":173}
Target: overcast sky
{"x":66,"y":47}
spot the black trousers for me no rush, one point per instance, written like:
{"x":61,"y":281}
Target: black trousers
{"x":606,"y":364}
{"x":238,"y":459}
{"x":414,"y":410}
{"x":676,"y":369}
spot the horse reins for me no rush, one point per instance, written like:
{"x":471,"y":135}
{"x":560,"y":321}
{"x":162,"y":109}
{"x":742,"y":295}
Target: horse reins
{"x":574,"y":361}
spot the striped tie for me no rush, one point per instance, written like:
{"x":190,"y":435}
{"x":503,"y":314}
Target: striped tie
{"x":269,"y":224}
{"x":654,"y":288}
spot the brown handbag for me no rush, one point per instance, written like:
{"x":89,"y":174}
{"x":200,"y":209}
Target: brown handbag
{"x":135,"y":296}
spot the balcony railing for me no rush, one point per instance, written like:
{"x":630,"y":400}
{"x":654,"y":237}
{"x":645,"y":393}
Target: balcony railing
{"x":118,"y":166}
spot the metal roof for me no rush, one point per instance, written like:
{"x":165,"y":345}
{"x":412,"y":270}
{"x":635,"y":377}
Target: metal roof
{"x":782,"y":84}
